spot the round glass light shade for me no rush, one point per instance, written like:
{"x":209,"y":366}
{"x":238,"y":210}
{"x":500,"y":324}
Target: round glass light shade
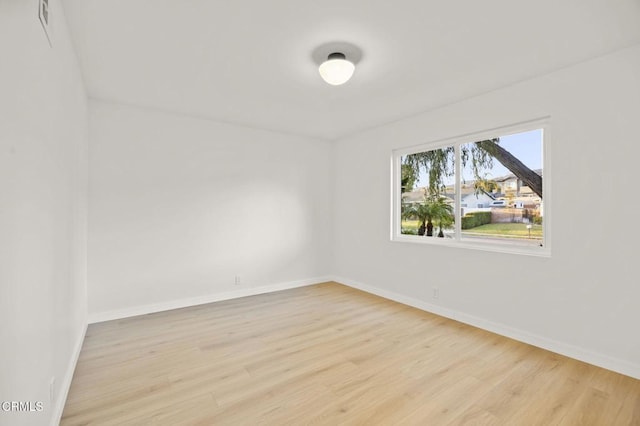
{"x":336,"y":70}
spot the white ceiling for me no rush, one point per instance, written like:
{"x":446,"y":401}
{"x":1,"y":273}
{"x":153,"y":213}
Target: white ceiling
{"x":250,"y":61}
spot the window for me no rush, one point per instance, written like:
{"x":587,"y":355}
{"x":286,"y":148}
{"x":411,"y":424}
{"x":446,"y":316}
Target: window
{"x":497,"y":179}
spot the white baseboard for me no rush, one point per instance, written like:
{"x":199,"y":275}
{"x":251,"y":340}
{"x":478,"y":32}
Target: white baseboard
{"x":65,"y":385}
{"x":200,"y":300}
{"x":620,"y":366}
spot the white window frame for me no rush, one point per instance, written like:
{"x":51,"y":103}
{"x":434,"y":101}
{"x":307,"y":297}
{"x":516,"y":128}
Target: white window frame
{"x":456,"y":142}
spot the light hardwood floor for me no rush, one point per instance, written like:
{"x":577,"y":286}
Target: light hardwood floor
{"x":328,"y":354}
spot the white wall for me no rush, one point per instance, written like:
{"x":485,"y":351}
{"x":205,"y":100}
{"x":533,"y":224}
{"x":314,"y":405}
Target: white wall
{"x":43,"y":148}
{"x":583,"y":300}
{"x":179,"y":206}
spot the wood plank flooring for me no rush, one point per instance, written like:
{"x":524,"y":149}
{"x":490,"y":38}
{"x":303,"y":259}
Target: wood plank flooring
{"x":329,"y":354}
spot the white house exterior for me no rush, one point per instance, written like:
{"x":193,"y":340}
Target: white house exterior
{"x":475,"y":201}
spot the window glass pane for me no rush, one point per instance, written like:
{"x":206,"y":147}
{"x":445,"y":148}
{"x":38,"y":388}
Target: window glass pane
{"x":501,"y":189}
{"x":427,"y":188}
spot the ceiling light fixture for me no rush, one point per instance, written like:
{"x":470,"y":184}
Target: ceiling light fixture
{"x":336,"y":70}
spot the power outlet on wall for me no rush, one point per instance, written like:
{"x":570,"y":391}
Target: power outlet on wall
{"x":238,"y":281}
{"x":436,"y":293}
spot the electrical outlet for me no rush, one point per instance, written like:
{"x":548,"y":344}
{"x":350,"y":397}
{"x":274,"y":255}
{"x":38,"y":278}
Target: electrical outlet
{"x":436,"y":293}
{"x":52,"y":390}
{"x":238,"y":281}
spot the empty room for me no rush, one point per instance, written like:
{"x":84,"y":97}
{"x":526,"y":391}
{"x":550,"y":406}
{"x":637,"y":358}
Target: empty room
{"x":338,"y":212}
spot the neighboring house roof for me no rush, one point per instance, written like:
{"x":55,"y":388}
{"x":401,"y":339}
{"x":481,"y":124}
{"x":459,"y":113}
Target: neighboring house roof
{"x":467,"y":189}
{"x":418,"y":194}
{"x":512,"y":176}
{"x":478,"y":195}
{"x":415,"y":196}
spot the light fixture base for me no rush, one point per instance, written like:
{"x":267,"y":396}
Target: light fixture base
{"x":336,"y":55}
{"x":350,"y":50}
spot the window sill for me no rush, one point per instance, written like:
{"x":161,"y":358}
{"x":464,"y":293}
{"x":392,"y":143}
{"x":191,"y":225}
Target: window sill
{"x":484,"y":245}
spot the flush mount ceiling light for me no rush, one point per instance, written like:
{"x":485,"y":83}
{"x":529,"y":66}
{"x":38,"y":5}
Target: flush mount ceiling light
{"x":337,"y":69}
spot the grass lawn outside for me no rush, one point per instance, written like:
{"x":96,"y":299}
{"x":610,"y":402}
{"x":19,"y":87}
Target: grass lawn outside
{"x":410,"y":225}
{"x":506,"y":230}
